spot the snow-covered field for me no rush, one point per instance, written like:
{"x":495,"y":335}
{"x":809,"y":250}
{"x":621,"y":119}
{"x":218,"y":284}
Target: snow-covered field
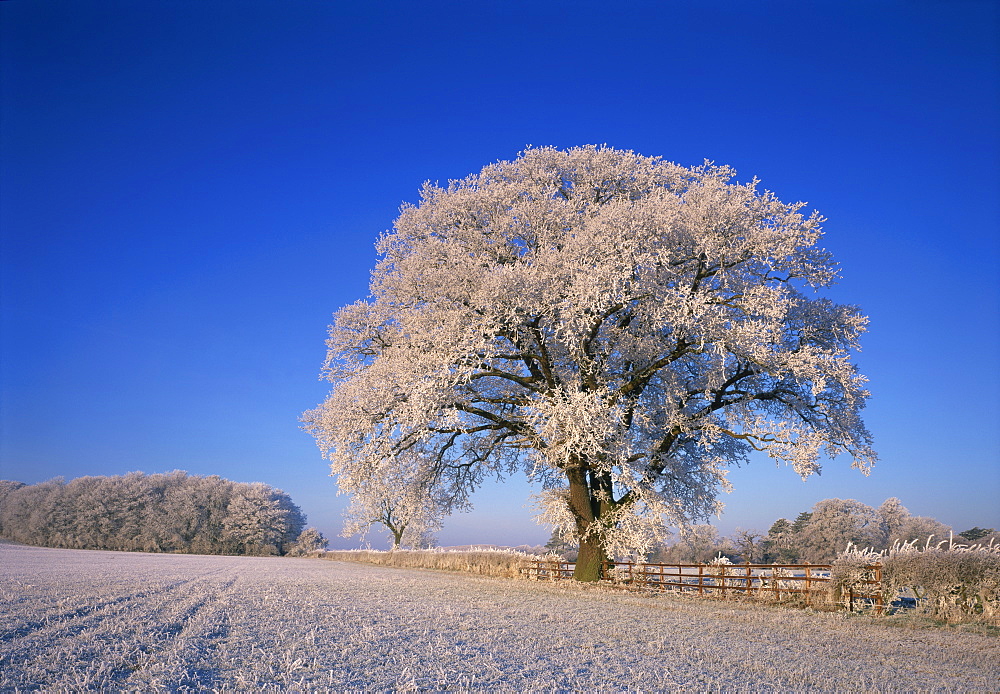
{"x":114,"y":621}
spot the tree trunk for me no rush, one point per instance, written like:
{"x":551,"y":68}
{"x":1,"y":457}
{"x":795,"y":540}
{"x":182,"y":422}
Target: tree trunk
{"x":590,"y":561}
{"x":592,"y":555}
{"x":397,"y":535}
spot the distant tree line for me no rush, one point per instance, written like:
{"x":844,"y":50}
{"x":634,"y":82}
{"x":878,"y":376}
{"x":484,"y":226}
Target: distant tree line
{"x":817,"y":536}
{"x":171,"y":512}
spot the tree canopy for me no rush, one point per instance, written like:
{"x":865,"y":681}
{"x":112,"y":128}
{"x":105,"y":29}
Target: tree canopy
{"x":621,"y":328}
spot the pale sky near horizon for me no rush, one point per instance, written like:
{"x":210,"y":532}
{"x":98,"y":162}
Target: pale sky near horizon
{"x":189,"y":190}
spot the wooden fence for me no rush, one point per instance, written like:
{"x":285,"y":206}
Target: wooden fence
{"x":808,"y":581}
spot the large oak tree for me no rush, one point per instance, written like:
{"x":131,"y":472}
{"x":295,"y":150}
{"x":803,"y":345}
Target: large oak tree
{"x":621,"y":328}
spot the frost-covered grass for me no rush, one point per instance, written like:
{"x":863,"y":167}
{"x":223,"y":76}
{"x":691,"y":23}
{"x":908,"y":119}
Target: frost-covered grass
{"x":73,"y":620}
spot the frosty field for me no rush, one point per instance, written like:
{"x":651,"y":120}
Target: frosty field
{"x":72,"y":620}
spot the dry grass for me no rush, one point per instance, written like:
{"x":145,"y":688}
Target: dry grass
{"x":498,"y":563}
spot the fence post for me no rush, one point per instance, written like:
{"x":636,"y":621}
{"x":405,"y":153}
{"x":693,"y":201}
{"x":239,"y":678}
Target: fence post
{"x":808,"y":585}
{"x":880,"y":607}
{"x":701,"y":581}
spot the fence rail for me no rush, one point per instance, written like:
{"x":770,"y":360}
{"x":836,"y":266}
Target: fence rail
{"x":809,"y":581}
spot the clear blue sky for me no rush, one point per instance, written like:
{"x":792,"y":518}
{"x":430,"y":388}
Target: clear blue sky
{"x":190,"y":189}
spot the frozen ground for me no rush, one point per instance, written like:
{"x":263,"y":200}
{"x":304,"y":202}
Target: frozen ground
{"x":74,"y":620}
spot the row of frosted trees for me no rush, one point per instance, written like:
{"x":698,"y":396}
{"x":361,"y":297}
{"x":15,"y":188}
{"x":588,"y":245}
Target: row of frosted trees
{"x":171,"y":512}
{"x":818,"y":536}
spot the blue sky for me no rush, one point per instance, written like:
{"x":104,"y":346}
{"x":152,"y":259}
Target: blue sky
{"x":190,"y":189}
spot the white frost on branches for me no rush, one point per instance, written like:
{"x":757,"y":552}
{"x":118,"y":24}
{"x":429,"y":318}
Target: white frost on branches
{"x":949,"y":579}
{"x":407,"y":516}
{"x":621,"y":328}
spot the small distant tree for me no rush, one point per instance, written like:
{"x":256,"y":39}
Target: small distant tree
{"x":402,"y":505}
{"x":309,"y":540}
{"x":696,"y":544}
{"x":619,"y":327}
{"x":801,"y":521}
{"x":992,"y":538}
{"x":834,"y":524}
{"x":749,"y":544}
{"x":558,"y":544}
{"x":783,"y":542}
{"x":975,"y":534}
{"x":918,"y":530}
{"x":893,"y":516}
{"x":779,"y":544}
{"x":407,"y":525}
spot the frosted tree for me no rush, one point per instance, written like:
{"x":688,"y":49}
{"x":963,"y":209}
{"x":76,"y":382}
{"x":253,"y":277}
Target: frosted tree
{"x":396,"y":499}
{"x":128,"y":497}
{"x":779,"y":545}
{"x":621,"y":328}
{"x":696,"y":544}
{"x":261,"y":519}
{"x":406,"y":525}
{"x":834,"y":524}
{"x":309,"y":540}
{"x":975,"y":534}
{"x":900,"y":526}
{"x":749,"y":545}
{"x":172,"y":512}
{"x":893,"y":515}
{"x":8,"y":487}
{"x":920,"y":529}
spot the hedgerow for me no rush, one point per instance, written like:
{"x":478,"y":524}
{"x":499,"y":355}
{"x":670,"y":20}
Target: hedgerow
{"x":951,"y":581}
{"x":485,"y":562}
